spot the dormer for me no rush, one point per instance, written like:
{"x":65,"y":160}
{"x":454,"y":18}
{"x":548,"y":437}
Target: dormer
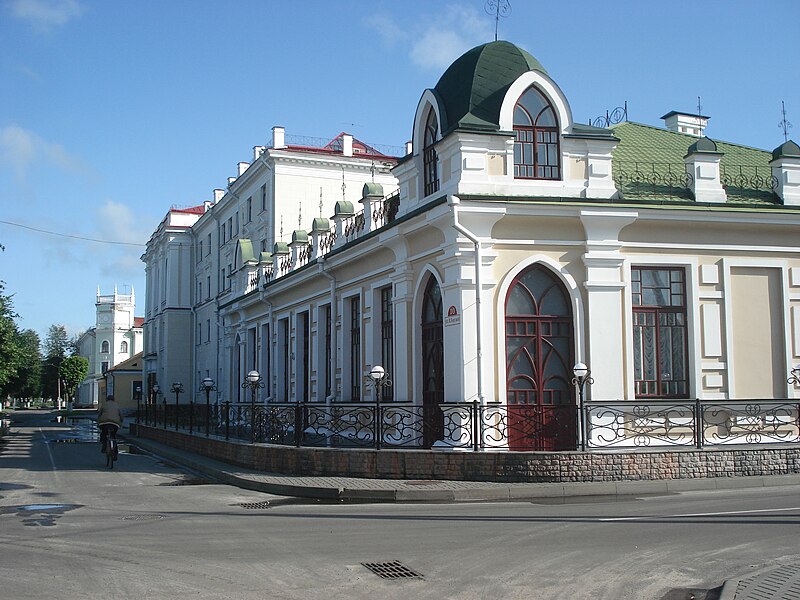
{"x":497,"y":124}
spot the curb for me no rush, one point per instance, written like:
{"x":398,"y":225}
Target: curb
{"x":480,"y":492}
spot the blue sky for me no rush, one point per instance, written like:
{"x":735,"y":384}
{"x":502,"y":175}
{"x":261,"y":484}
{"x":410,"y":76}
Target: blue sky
{"x":112,"y":111}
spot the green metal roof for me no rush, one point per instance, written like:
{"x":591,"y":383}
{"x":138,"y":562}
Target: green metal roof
{"x":788,"y":149}
{"x":473,"y":87}
{"x":658,"y":155}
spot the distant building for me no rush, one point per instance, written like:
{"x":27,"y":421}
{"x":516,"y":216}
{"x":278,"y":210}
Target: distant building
{"x":509,"y":243}
{"x":124,"y":381}
{"x":116,"y":337}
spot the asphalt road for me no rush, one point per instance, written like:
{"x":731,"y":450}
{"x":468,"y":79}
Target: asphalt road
{"x":70,"y":528}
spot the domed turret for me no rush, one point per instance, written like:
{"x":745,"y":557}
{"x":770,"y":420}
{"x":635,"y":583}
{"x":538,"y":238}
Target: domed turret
{"x":472,"y":89}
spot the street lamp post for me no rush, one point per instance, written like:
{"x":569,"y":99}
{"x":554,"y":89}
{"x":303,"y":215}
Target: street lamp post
{"x":156,"y":388}
{"x":582,"y":376}
{"x":177,"y":389}
{"x":379,"y":379}
{"x":207,"y":386}
{"x":253,"y":381}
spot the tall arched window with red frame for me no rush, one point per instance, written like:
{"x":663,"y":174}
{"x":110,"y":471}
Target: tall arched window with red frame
{"x":536,"y":146}
{"x":429,"y":169}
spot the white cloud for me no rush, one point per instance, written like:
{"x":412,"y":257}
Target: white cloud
{"x":21,"y":148}
{"x":441,"y":39}
{"x":45,"y":15}
{"x":117,"y":222}
{"x":387,"y":28}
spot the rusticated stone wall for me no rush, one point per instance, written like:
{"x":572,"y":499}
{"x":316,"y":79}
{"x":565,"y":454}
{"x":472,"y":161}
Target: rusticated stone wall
{"x":650,"y":464}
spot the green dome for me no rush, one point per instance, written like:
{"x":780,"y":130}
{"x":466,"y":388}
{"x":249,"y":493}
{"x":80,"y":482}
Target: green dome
{"x":704,"y":145}
{"x":788,"y":149}
{"x":472,"y":89}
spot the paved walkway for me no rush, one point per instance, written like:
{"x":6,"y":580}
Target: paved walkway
{"x":354,"y":489}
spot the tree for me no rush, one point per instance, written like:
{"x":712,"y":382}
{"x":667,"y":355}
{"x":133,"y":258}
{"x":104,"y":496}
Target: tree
{"x":10,"y":358}
{"x":56,"y":345}
{"x":27,"y":381}
{"x":73,"y":371}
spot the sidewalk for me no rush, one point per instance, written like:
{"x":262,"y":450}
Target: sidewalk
{"x":352,"y":489}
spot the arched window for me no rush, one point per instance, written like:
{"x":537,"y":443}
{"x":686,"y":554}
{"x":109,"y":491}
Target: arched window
{"x":429,"y":170}
{"x":536,"y":153}
{"x":104,"y":346}
{"x":123,"y":347}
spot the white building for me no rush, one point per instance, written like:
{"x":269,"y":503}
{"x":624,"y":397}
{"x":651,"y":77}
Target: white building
{"x":116,"y":337}
{"x":520,"y":243}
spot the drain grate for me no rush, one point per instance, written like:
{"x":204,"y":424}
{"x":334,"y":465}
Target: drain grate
{"x":392,"y":570}
{"x":255,"y":505}
{"x":142,"y":517}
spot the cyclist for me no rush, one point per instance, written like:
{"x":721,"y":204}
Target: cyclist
{"x":109,"y":419}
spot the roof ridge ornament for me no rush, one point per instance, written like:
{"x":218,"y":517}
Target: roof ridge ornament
{"x":784,"y":124}
{"x":497,"y":8}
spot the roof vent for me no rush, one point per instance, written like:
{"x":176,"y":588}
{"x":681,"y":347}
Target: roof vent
{"x":681,"y":122}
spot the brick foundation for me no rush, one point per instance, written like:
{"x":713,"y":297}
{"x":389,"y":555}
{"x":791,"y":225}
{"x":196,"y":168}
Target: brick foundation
{"x":650,"y":464}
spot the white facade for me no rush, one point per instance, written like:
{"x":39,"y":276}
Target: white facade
{"x":480,"y":247}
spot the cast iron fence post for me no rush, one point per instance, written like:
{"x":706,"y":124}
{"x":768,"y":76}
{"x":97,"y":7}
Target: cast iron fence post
{"x":165,"y":413}
{"x":698,"y":423}
{"x":138,"y":409}
{"x":191,"y":416}
{"x":227,"y":419}
{"x":298,"y":424}
{"x":476,"y":426}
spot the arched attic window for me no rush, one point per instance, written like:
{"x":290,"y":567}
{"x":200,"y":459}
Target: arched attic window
{"x":536,"y":152}
{"x":104,"y":346}
{"x":429,"y":170}
{"x":123,"y":347}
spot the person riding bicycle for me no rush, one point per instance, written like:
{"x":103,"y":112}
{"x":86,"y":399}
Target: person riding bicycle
{"x":109,"y":419}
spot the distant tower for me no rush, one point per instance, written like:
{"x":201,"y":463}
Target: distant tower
{"x":116,"y":339}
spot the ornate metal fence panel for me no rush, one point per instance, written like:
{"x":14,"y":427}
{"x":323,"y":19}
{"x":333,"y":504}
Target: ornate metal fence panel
{"x":653,"y":179}
{"x":745,"y":180}
{"x":641,"y":424}
{"x":750,"y":422}
{"x":353,"y":226}
{"x":620,"y":424}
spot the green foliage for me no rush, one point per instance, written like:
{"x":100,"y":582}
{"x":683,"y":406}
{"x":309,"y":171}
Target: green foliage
{"x":73,"y":370}
{"x":10,"y":353}
{"x":27,"y":381}
{"x":56,"y":345}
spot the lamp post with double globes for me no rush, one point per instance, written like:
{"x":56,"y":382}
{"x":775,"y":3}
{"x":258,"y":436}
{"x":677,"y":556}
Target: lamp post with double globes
{"x":582,"y":376}
{"x":253,"y":381}
{"x":177,"y":389}
{"x":379,"y":379}
{"x":207,"y":386}
{"x":154,"y":401}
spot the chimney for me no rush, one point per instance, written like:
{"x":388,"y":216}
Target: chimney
{"x":258,"y":151}
{"x":689,"y":123}
{"x":347,"y":144}
{"x":278,"y":137}
{"x":218,"y":194}
{"x":242,"y":166}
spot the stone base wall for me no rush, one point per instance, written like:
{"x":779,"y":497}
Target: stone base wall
{"x":650,"y":464}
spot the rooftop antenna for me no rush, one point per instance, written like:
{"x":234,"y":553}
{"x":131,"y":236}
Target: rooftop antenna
{"x":497,"y":8}
{"x":699,"y":112}
{"x":784,"y":124}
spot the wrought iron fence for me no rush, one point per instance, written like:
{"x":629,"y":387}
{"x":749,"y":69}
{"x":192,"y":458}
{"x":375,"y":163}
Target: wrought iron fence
{"x":472,"y":426}
{"x":353,"y":226}
{"x":744,"y":180}
{"x":641,"y":178}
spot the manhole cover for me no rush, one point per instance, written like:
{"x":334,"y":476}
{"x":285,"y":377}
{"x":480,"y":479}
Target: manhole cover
{"x":142,"y":517}
{"x":392,"y":570}
{"x":255,"y":505}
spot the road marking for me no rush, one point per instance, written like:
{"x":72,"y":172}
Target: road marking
{"x":708,"y":514}
{"x":49,"y":454}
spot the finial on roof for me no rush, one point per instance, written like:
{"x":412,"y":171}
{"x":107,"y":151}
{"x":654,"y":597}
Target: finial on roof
{"x":344,"y":185}
{"x":497,"y":8}
{"x":320,"y":201}
{"x":784,"y":124}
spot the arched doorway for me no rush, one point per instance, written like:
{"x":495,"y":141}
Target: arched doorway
{"x":539,"y":357}
{"x":432,"y":363}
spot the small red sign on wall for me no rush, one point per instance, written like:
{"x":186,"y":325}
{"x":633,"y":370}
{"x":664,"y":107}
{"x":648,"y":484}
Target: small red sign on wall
{"x":452,"y":318}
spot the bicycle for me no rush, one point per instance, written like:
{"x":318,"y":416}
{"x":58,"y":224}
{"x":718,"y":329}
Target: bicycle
{"x":111,"y":448}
